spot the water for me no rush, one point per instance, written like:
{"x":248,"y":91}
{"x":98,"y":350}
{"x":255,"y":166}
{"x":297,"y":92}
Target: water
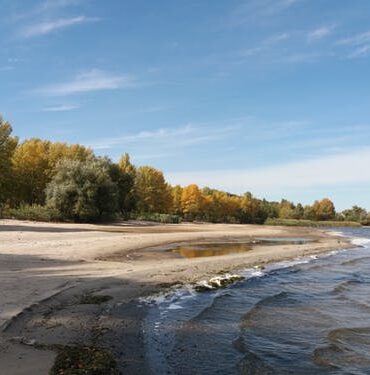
{"x":217,"y":249}
{"x":310,"y":316}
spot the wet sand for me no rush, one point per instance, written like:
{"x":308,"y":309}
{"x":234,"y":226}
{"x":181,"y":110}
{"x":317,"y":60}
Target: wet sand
{"x":45,"y":269}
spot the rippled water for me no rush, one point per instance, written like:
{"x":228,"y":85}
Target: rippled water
{"x":311,"y":316}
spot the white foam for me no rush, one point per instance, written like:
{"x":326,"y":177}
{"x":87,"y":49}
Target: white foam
{"x":359,"y":241}
{"x":335,"y":233}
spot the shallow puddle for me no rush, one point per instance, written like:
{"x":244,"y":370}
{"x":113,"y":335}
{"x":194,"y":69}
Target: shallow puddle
{"x":217,"y":249}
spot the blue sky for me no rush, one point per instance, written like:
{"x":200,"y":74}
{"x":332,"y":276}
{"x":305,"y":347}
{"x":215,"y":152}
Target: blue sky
{"x":268,"y":96}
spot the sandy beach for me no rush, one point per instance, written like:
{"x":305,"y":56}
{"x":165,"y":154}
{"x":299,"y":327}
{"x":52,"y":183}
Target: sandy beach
{"x":45,"y":269}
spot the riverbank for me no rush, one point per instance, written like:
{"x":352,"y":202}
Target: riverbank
{"x":46,"y":269}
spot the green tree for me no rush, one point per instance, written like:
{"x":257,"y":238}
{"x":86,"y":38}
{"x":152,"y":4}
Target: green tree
{"x":126,"y":184}
{"x":83,"y":190}
{"x":7,"y":147}
{"x":356,"y":213}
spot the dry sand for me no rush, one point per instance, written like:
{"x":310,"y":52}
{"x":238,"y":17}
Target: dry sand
{"x":46,"y":268}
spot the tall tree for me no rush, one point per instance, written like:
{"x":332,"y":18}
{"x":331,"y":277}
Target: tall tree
{"x":192,"y":202}
{"x":324,"y":209}
{"x":31,"y":167}
{"x":152,"y":192}
{"x":126,"y":184}
{"x":7,"y":147}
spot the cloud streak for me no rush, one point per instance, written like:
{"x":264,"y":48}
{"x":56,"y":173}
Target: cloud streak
{"x":166,"y":138}
{"x":44,"y":28}
{"x":60,"y":108}
{"x":93,"y":80}
{"x":328,"y":171}
{"x":319,"y":33}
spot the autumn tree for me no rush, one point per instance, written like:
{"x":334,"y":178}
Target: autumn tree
{"x":35,"y":162}
{"x":192,"y":201}
{"x":286,"y":210}
{"x":252,"y":210}
{"x":220,"y":206}
{"x":151,"y":190}
{"x":176,"y":192}
{"x":83,"y":190}
{"x":126,"y":184}
{"x":31,"y":168}
{"x":7,"y":147}
{"x":324,"y":209}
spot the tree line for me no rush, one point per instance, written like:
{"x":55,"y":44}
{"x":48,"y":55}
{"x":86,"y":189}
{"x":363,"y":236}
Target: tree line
{"x":77,"y":185}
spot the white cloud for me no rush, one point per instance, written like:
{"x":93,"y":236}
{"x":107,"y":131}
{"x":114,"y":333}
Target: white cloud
{"x":255,"y":10}
{"x":330,"y":171}
{"x":360,"y":52}
{"x":94,"y":80}
{"x":60,"y":108}
{"x":266,"y":44}
{"x":166,"y":138}
{"x":319,"y":33}
{"x":48,"y":27}
{"x":356,"y":40}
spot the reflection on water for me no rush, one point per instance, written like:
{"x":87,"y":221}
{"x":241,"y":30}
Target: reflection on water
{"x":210,"y":250}
{"x":217,"y":249}
{"x":308,"y":318}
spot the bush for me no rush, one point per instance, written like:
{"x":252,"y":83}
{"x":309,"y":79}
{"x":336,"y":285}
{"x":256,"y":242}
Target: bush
{"x":311,"y":223}
{"x":33,"y":213}
{"x":158,"y":218}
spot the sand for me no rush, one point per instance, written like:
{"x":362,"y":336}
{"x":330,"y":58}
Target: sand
{"x":45,"y":269}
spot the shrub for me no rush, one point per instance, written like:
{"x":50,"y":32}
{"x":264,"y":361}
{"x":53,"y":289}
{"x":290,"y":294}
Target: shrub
{"x":158,"y":218}
{"x":32,"y":212}
{"x":83,"y":190}
{"x":311,"y":223}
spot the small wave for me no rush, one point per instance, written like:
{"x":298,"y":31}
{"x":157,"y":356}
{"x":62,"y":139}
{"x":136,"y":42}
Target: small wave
{"x":348,"y":348}
{"x":355,"y":262}
{"x":252,"y":364}
{"x":254,"y":312}
{"x":345,"y":286}
{"x":169,"y":297}
{"x":360,"y":241}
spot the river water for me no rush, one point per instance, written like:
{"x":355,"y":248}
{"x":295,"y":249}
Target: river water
{"x":307,"y":316}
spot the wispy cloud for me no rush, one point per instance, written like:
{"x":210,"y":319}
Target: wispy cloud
{"x":360,"y":52}
{"x":254,"y":10}
{"x":266,"y":44}
{"x":360,"y":43}
{"x":93,"y":80}
{"x":60,"y":108}
{"x":48,"y":27}
{"x":356,"y":40}
{"x":333,"y":170}
{"x":45,"y":8}
{"x":166,"y":138}
{"x":319,"y":33}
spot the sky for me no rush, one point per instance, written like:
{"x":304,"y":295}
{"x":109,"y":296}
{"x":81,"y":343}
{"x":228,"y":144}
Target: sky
{"x":267,"y":96}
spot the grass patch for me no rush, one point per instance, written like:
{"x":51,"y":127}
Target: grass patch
{"x":32,"y":213}
{"x":157,"y":218}
{"x":84,"y":360}
{"x":311,"y":223}
{"x":90,"y":299}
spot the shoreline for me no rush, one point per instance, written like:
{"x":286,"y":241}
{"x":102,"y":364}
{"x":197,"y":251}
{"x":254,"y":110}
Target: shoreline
{"x":133,"y":269}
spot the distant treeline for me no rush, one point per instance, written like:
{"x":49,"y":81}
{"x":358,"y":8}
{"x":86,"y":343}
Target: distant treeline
{"x":45,"y":180}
